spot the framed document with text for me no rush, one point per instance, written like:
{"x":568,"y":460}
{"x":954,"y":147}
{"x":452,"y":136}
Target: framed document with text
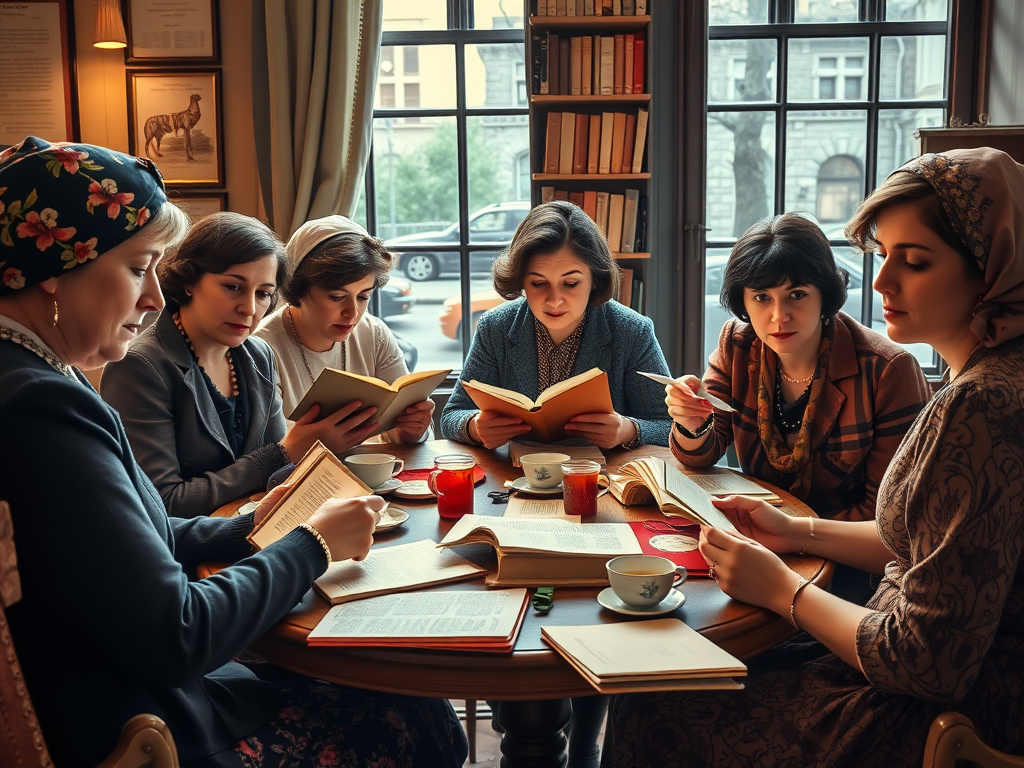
{"x":37,"y":90}
{"x":198,"y":205}
{"x":172,"y":32}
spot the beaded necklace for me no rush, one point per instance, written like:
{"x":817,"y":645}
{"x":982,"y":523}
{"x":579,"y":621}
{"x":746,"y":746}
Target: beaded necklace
{"x":302,"y":348}
{"x":780,"y":413}
{"x":16,"y":337}
{"x":192,"y":349}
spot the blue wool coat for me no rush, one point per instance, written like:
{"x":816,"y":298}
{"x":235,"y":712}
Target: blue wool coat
{"x":615,"y":339}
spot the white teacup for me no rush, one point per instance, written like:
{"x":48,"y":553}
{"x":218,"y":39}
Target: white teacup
{"x":642,"y":580}
{"x":374,"y":469}
{"x":543,"y":470}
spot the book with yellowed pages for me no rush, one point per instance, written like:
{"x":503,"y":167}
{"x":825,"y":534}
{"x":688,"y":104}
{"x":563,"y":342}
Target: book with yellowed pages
{"x":586,"y":392}
{"x":478,"y":620}
{"x":335,"y":388}
{"x":519,"y":448}
{"x":318,"y":477}
{"x":630,"y":489}
{"x":533,"y":552}
{"x":653,"y":655}
{"x":400,"y":568}
{"x":676,"y":493}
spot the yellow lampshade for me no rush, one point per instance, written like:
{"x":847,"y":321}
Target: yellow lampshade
{"x":109,"y":25}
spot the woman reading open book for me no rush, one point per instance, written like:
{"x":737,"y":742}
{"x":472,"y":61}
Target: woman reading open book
{"x":335,"y":268}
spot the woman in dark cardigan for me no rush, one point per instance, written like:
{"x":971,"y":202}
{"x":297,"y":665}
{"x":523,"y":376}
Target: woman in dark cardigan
{"x":110,"y":623}
{"x":944,"y":630}
{"x":198,"y":393}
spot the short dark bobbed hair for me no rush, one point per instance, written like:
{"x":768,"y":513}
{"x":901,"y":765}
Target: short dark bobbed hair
{"x":783,"y":249}
{"x":338,"y":261}
{"x":905,"y":187}
{"x":213,"y":245}
{"x":547,"y":229}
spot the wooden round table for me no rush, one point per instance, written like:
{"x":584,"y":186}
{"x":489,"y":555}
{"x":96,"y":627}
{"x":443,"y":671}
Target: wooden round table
{"x":534,"y":680}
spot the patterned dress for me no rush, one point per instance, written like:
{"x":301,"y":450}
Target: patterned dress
{"x":947,"y":627}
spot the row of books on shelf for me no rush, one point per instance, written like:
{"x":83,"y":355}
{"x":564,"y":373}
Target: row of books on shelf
{"x":588,"y":7}
{"x":622,"y":218}
{"x":579,"y":143}
{"x":631,"y":290}
{"x":587,"y":65}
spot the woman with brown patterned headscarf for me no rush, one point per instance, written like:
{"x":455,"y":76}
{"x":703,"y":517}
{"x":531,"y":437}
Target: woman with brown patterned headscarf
{"x":944,"y":629}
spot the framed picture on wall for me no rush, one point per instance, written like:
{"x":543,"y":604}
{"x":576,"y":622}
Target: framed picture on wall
{"x":174,"y":119}
{"x":1008,"y":138}
{"x":179,"y":32}
{"x":198,"y":204}
{"x":37,"y":91}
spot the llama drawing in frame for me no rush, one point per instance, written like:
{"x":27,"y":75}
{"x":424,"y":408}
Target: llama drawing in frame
{"x":159,"y":126}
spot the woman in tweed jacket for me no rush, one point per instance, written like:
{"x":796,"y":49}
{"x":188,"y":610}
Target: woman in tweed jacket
{"x":566,"y":324}
{"x":944,"y":630}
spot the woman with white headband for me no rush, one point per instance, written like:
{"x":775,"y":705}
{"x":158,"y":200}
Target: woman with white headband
{"x":336,"y":266}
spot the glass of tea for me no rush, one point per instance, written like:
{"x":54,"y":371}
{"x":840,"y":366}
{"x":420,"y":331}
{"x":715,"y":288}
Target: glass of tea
{"x":579,"y":486}
{"x":452,"y":483}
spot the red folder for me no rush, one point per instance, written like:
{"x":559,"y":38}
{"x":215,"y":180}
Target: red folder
{"x":666,"y":539}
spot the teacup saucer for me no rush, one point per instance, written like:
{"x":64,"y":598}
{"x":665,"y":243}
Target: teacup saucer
{"x":414,"y":489}
{"x":611,"y":601}
{"x":391,"y":517}
{"x":388,"y":487}
{"x":523,"y":485}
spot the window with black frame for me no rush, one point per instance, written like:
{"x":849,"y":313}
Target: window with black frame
{"x":811,"y":104}
{"x":444,"y":185}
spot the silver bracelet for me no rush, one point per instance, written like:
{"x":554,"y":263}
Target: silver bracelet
{"x":319,"y":538}
{"x":702,"y":430}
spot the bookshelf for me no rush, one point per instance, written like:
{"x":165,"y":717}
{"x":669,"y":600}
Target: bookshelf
{"x":589,"y":107}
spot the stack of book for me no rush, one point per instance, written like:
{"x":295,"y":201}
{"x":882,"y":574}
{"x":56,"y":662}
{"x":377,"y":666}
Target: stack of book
{"x":444,"y":620}
{"x":587,"y":65}
{"x":588,"y":7}
{"x":535,"y":552}
{"x":637,"y":656}
{"x":598,"y":144}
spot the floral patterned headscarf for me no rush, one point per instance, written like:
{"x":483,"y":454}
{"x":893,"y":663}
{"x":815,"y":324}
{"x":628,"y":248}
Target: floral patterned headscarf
{"x":64,"y":204}
{"x":982,"y":193}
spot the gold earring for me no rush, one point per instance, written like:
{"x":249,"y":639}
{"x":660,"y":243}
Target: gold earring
{"x":55,"y":313}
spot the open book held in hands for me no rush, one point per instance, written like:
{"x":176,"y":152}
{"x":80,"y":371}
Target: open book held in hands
{"x":334,"y":389}
{"x":547,"y":416}
{"x":533,"y":552}
{"x":320,"y":476}
{"x":678,"y":493}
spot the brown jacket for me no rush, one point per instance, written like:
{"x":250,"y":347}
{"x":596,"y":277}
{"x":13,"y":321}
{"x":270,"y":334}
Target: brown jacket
{"x":875,"y":390}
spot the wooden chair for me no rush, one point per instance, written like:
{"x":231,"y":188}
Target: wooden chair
{"x":145,"y":740}
{"x":952,"y":738}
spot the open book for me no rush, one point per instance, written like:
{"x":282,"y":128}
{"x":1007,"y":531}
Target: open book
{"x":584,"y":393}
{"x":320,"y":476}
{"x":445,"y":620}
{"x":334,"y":388}
{"x":676,"y":493}
{"x":653,"y":655}
{"x":400,"y":568}
{"x":533,"y":552}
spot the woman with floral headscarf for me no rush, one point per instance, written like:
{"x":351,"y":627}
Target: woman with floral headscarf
{"x":82,"y":232}
{"x":943,"y":631}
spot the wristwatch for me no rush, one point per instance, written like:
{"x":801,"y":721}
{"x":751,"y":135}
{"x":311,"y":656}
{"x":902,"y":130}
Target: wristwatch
{"x":702,"y":430}
{"x":637,"y":440}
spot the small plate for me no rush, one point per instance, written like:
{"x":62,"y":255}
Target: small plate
{"x":388,"y":487}
{"x":414,"y":489}
{"x":391,"y":517}
{"x":611,"y":601}
{"x":523,"y":485}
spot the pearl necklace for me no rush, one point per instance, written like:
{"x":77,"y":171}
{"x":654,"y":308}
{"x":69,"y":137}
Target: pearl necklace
{"x":302,"y":348}
{"x":16,"y":337}
{"x":780,"y":412}
{"x":192,"y":349}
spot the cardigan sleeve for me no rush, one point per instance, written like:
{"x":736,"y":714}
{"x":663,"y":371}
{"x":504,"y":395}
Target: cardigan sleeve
{"x":144,"y":399}
{"x":645,"y":399}
{"x":718,"y":381}
{"x":88,"y":520}
{"x":481,"y":365}
{"x":900,"y":394}
{"x":960,"y":489}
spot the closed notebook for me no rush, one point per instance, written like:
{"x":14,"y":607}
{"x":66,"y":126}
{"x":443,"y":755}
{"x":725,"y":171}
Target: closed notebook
{"x":335,"y":388}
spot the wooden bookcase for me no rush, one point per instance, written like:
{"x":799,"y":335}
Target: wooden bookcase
{"x":540,"y":27}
